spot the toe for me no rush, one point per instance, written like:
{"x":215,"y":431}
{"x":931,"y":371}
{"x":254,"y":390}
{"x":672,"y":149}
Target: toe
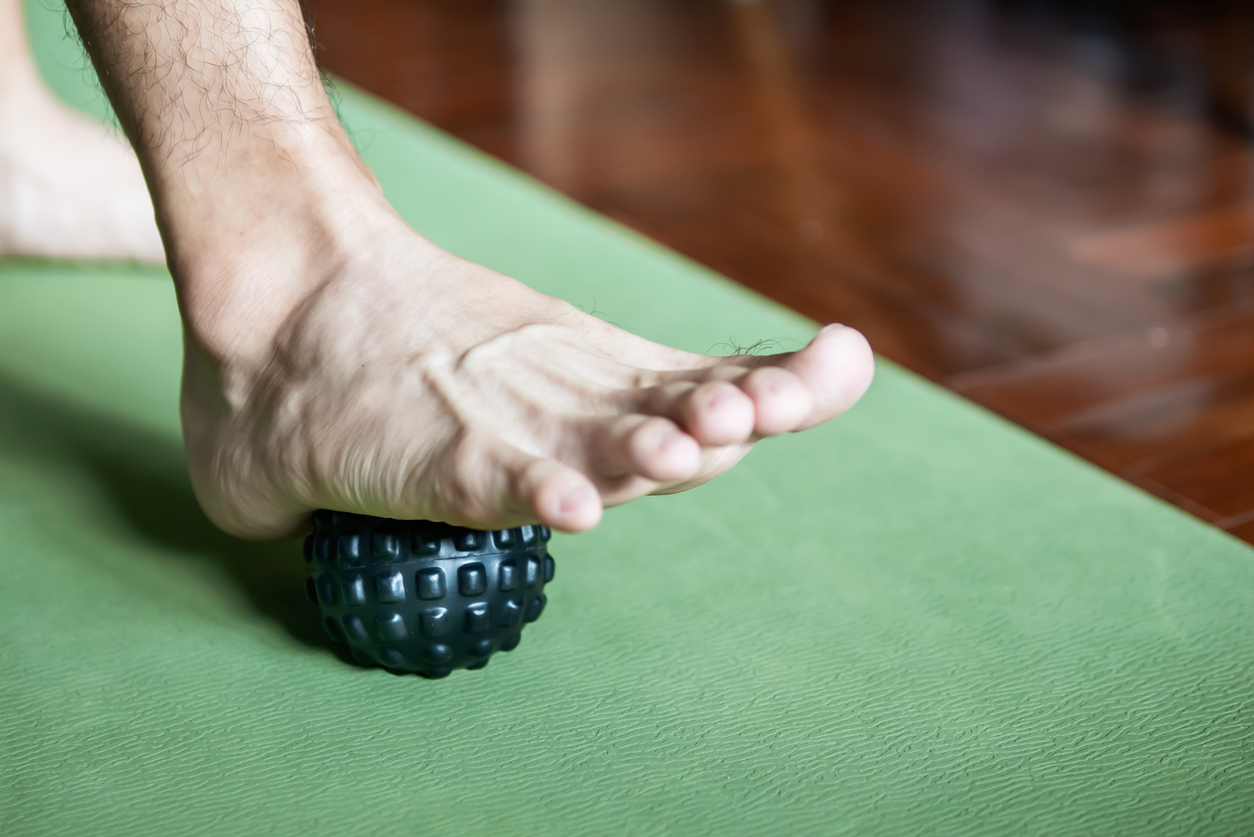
{"x":651,"y":447}
{"x":836,"y":368}
{"x":714,"y":412}
{"x":561,"y":497}
{"x":781,"y":401}
{"x":493,"y":485}
{"x":734,"y":400}
{"x":717,"y":413}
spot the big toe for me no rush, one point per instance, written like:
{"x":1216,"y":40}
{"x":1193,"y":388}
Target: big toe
{"x":837,"y":367}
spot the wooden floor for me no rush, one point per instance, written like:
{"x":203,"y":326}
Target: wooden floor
{"x":1047,"y":207}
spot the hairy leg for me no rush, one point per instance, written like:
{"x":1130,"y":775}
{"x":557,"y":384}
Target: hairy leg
{"x":335,"y":358}
{"x":68,"y":187}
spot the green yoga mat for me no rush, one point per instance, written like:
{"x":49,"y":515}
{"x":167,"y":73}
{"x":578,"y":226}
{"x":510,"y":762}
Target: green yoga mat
{"x":917,"y":620}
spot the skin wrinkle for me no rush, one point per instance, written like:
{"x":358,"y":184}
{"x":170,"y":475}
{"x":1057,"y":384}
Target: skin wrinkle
{"x":427,"y":366}
{"x":554,"y":373}
{"x":335,"y":358}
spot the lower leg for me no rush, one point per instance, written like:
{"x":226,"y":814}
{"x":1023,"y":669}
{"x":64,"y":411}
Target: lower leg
{"x":335,"y":358}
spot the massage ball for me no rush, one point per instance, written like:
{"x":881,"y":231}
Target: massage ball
{"x":423,"y":597}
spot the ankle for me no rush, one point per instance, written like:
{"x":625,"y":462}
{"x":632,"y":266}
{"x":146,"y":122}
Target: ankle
{"x":249,"y":246}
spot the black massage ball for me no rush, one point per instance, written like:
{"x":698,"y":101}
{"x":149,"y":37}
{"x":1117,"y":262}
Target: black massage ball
{"x":422,"y":597}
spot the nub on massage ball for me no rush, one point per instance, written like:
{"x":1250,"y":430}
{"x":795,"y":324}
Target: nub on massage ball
{"x":424,"y":597}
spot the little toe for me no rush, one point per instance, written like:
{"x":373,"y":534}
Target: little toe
{"x":561,"y":497}
{"x":782,"y":402}
{"x":495,"y":485}
{"x":651,"y":447}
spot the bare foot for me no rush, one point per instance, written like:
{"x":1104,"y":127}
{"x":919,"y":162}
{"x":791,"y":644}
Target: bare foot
{"x":408,"y":383}
{"x":336,"y":359}
{"x":68,"y":187}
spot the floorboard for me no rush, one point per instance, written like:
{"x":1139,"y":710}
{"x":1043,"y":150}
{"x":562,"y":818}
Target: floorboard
{"x":1046,"y":206}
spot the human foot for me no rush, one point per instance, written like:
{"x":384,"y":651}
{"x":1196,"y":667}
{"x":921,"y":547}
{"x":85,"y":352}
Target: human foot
{"x":68,"y":187}
{"x":334,"y":358}
{"x":404,"y":382}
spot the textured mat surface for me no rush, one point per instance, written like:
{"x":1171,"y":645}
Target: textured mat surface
{"x":916,"y":620}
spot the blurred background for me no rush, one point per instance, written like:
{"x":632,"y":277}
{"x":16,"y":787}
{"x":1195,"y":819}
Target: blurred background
{"x":1046,"y":206}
